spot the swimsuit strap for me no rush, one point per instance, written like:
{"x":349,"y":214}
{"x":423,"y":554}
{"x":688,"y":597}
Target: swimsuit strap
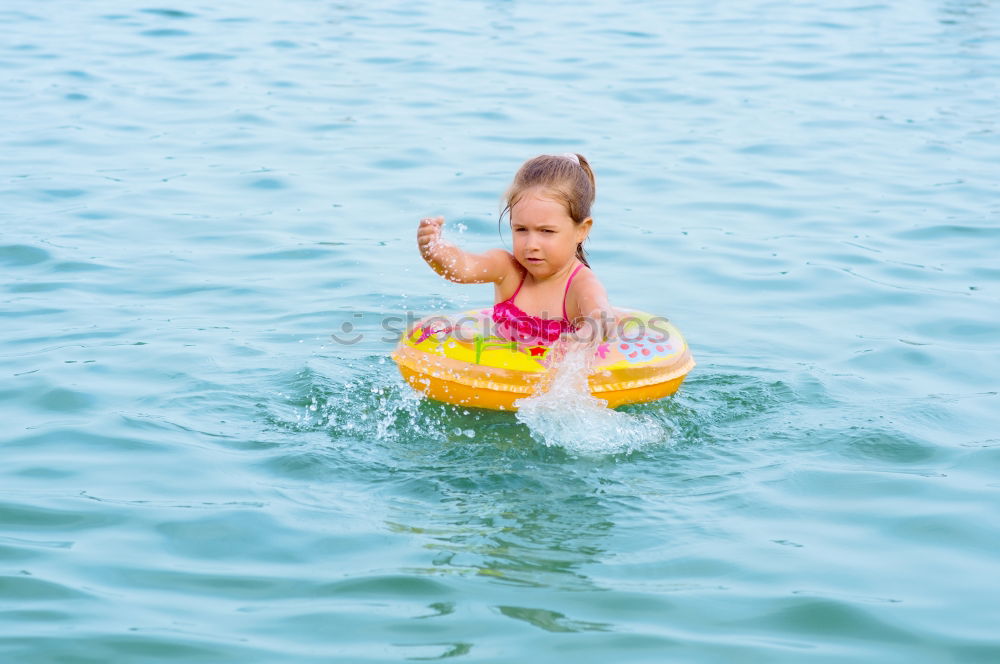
{"x":566,"y":292}
{"x":511,"y":298}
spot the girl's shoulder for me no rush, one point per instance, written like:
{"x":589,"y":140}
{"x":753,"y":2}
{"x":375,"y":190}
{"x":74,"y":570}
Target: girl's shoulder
{"x":585,"y":279}
{"x":585,"y":293}
{"x":506,"y":264}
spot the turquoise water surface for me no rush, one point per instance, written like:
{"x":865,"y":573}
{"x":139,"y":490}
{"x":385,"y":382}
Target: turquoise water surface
{"x":195,"y":196}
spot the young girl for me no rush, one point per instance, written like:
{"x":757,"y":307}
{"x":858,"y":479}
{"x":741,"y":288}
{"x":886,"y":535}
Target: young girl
{"x":544,"y":290}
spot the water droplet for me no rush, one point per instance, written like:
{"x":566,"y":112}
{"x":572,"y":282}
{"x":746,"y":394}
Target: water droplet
{"x":568,"y":416}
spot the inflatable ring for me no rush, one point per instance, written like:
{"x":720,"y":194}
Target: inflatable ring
{"x":457,"y":359}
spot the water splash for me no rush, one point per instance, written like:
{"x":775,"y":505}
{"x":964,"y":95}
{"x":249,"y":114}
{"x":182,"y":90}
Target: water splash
{"x":564,"y":413}
{"x":369,"y":401}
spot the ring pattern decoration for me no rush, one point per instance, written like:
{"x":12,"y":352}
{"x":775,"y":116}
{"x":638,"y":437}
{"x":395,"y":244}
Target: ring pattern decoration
{"x":459,"y":359}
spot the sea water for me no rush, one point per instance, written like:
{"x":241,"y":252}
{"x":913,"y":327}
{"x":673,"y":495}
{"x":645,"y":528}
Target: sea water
{"x":208,"y":216}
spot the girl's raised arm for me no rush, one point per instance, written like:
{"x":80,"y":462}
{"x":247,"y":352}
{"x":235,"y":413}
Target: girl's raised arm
{"x":455,"y":264}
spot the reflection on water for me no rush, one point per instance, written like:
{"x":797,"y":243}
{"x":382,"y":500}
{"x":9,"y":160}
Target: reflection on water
{"x":510,"y":528}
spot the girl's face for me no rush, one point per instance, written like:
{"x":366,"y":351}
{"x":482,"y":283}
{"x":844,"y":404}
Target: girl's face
{"x":545,"y":237}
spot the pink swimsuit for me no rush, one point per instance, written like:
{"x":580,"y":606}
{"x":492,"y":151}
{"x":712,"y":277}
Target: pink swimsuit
{"x":514,"y":324}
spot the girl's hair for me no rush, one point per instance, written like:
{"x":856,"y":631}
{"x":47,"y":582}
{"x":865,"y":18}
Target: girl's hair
{"x":568,"y":178}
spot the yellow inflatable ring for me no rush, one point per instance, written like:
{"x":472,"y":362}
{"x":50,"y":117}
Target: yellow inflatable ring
{"x":455,"y":358}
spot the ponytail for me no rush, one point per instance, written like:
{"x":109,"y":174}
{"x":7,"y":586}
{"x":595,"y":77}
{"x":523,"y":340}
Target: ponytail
{"x":585,"y":165}
{"x":581,"y":255}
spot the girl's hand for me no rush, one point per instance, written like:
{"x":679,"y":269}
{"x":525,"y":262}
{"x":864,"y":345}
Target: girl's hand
{"x":429,"y":235}
{"x":456,"y":265}
{"x":596,"y":329}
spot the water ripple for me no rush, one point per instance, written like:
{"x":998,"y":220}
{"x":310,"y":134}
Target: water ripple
{"x":195,"y":198}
